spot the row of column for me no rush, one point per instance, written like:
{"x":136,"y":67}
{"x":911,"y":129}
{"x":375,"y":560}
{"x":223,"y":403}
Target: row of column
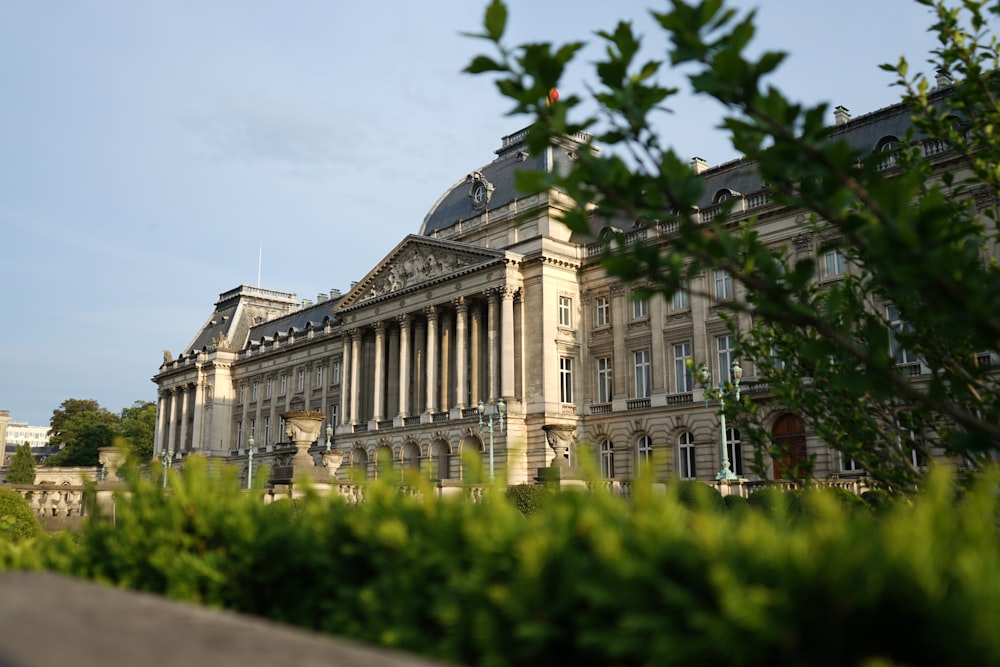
{"x":419,"y":349}
{"x":171,"y":427}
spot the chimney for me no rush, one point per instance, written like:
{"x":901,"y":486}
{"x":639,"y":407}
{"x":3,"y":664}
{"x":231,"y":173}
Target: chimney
{"x":320,"y":297}
{"x":841,"y":115}
{"x":306,"y":303}
{"x":334,"y":293}
{"x":698,"y":164}
{"x":942,"y":79}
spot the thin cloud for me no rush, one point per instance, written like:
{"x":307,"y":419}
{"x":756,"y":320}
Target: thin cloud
{"x":256,"y":129}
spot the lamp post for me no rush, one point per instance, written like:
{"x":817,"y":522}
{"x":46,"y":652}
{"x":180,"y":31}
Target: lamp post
{"x":498,"y":413}
{"x":250,"y":462}
{"x":721,"y":392}
{"x":329,"y":434}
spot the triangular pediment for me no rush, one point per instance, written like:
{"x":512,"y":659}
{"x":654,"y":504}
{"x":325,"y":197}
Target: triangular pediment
{"x":416,"y":262}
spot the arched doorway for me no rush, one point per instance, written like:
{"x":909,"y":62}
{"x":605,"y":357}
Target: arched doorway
{"x":789,"y":432}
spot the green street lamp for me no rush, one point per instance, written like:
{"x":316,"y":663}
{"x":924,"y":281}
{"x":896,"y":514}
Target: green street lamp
{"x":721,"y":392}
{"x":498,"y":413}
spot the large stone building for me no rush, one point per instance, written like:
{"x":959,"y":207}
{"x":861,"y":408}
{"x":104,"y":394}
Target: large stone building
{"x":495,"y":299}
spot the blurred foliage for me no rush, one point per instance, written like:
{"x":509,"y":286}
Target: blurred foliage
{"x":587,"y":578}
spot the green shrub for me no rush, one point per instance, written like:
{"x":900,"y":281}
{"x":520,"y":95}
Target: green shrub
{"x":17,"y":521}
{"x":526,"y":497}
{"x":770,"y":500}
{"x":697,"y":495}
{"x":588,"y":578}
{"x":876,"y":499}
{"x":736,"y":504}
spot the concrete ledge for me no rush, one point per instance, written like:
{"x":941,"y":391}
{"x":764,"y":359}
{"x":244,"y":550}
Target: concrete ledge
{"x":51,"y":620}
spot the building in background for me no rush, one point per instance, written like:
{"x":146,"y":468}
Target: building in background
{"x":495,"y":299}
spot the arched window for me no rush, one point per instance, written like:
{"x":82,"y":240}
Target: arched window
{"x":383,"y":461}
{"x":471,"y":452}
{"x":644,"y":452}
{"x":410,"y":457}
{"x":685,"y":455}
{"x":440,"y":455}
{"x":607,"y":460}
{"x":359,"y":463}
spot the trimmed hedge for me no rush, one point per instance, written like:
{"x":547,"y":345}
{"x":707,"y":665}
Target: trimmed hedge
{"x":587,"y":579}
{"x":528,"y":498}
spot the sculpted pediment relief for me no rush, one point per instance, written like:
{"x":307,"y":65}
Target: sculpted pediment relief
{"x":417,"y":261}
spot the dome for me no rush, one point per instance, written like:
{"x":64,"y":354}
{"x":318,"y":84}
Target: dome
{"x":492,"y":185}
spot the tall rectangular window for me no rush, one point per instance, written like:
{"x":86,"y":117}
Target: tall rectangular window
{"x":239,"y":434}
{"x":255,"y":390}
{"x":897,"y":328}
{"x":319,"y":376}
{"x":267,"y":430}
{"x":336,"y":372}
{"x":640,"y":308}
{"x":682,"y":368}
{"x":602,"y":311}
{"x":834,"y":264}
{"x":604,"y":380}
{"x":334,"y":414}
{"x":284,"y":385}
{"x":565,"y":311}
{"x":724,"y":346}
{"x":685,"y":455}
{"x":565,"y":379}
{"x":643,"y":373}
{"x":723,"y":285}
{"x":680,"y":298}
{"x":301,"y":384}
{"x":243,"y":393}
{"x":268,"y":387}
{"x":253,"y":429}
{"x":734,"y":448}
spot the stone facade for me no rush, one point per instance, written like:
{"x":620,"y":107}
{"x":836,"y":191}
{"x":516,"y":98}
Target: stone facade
{"x":494,"y":298}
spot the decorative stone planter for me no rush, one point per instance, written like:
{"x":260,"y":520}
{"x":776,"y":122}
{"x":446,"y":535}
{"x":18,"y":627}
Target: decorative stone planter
{"x":302,"y":428}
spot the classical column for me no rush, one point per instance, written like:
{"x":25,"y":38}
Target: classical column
{"x":461,"y":356}
{"x":161,"y":421}
{"x":418,"y":395}
{"x":379,"y":406}
{"x":355,"y":373}
{"x":445,"y":334}
{"x":185,"y":393}
{"x":507,"y":344}
{"x":173,"y":420}
{"x":475,"y":372}
{"x":492,"y":335}
{"x":404,"y":365}
{"x":432,"y":344}
{"x":346,"y":383}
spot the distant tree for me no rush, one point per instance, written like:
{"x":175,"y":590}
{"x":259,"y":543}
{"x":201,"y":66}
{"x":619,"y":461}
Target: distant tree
{"x":22,"y":466}
{"x":137,"y":424}
{"x":79,"y":427}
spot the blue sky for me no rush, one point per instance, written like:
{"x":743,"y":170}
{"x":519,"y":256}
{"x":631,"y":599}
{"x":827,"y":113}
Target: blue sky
{"x":151,"y":149}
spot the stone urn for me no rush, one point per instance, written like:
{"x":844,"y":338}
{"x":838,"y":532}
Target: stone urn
{"x":559,"y":437}
{"x":112,"y":459}
{"x":302,"y":428}
{"x":332,"y":460}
